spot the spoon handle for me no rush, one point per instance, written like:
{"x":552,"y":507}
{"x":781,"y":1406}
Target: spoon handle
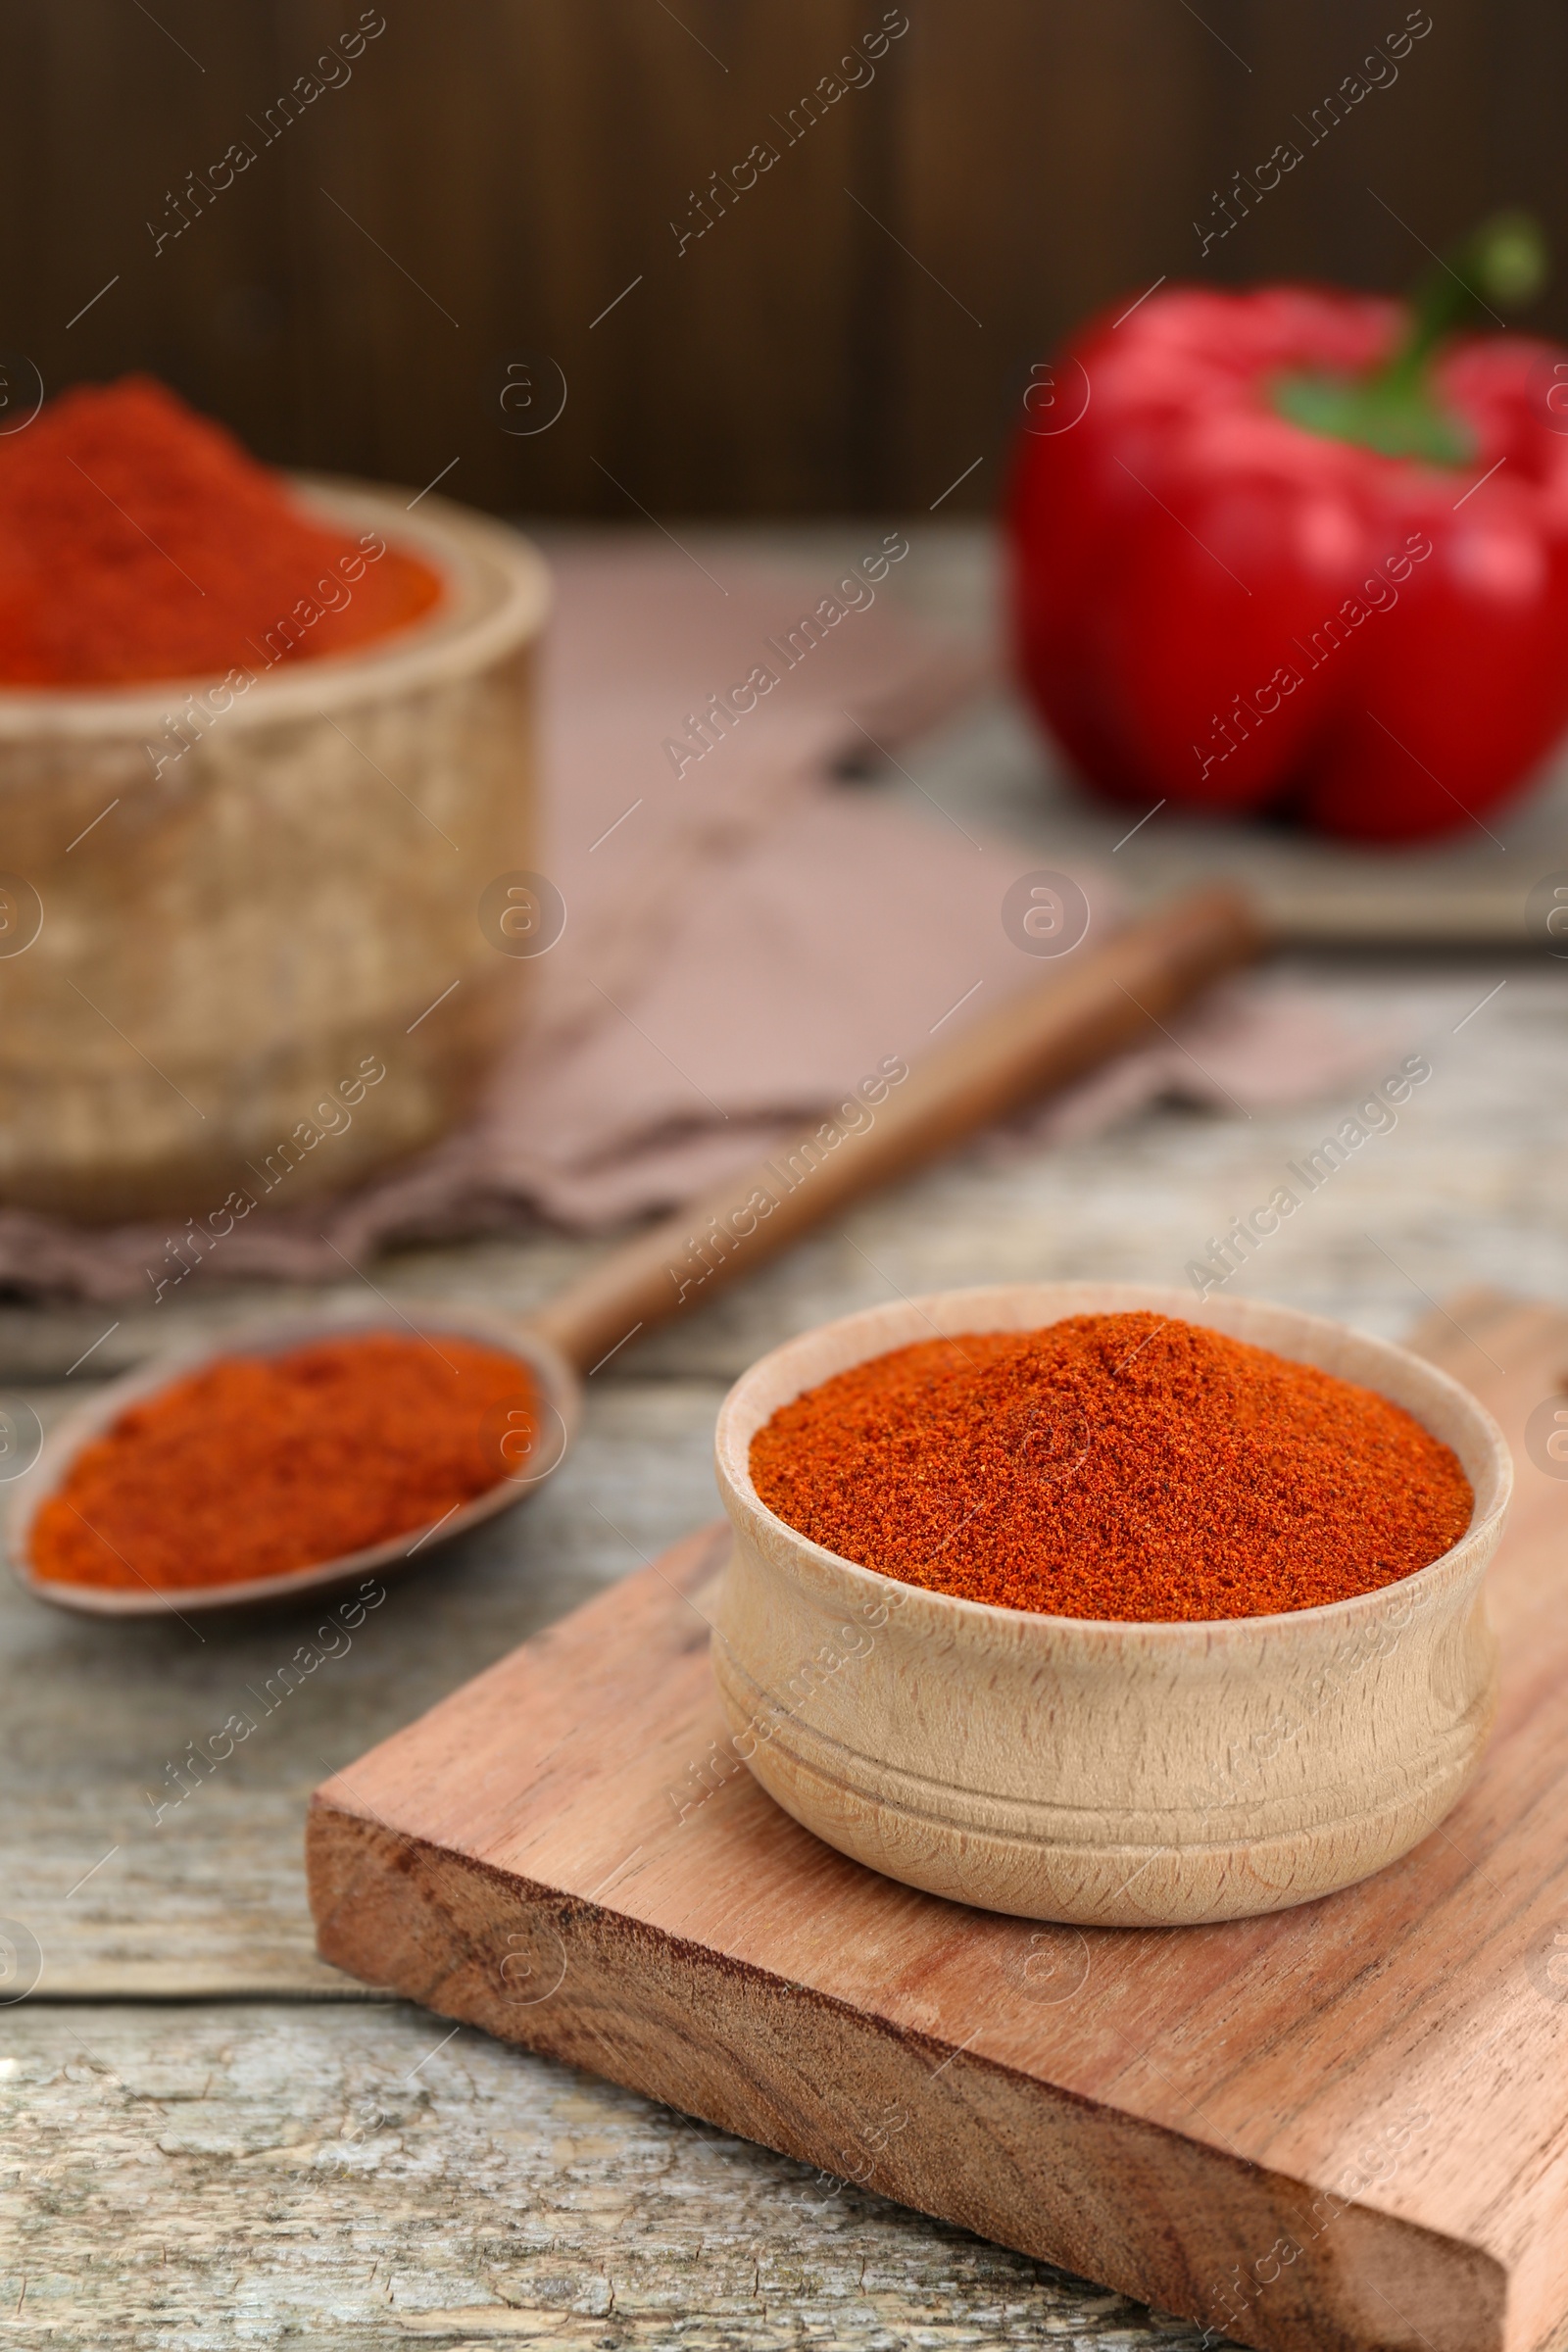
{"x":1094,"y":1006}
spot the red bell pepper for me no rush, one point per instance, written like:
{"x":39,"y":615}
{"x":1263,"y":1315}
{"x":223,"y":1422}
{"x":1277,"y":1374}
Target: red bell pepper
{"x":1303,"y":551}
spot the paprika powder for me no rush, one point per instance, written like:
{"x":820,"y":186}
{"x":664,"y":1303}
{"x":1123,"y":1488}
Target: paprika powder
{"x":140,"y":541}
{"x":1128,"y":1466}
{"x":257,"y":1465}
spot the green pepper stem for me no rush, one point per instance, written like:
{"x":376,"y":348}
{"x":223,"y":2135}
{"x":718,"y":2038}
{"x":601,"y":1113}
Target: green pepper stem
{"x":1503,"y":260}
{"x":1396,"y":410}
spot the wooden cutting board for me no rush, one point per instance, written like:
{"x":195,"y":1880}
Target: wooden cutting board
{"x":1344,"y":2125}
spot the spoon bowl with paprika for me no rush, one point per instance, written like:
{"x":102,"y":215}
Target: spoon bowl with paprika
{"x":1098,"y":1603}
{"x":306,"y":1453}
{"x":298,"y":1459}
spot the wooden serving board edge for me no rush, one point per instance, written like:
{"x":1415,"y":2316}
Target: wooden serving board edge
{"x":1101,"y":2193}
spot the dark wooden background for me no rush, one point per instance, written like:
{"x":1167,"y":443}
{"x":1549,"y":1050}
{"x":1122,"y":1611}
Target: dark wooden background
{"x":509,"y":166}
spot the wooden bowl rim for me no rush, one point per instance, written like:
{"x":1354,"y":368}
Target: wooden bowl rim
{"x":271,"y":1335}
{"x":1464,"y":1559}
{"x":498,"y":597}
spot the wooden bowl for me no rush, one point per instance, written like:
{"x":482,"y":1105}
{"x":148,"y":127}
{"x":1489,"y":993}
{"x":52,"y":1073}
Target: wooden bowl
{"x":1106,"y":1774}
{"x":242,"y":905}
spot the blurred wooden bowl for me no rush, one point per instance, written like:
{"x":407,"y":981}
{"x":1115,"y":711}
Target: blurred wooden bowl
{"x":1106,"y":1774}
{"x":243,"y":910}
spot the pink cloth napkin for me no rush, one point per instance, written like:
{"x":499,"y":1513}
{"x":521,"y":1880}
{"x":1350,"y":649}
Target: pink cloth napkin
{"x":746,"y":936}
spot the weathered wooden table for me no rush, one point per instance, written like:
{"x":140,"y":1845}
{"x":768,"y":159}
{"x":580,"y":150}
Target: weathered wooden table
{"x":212,"y":2139}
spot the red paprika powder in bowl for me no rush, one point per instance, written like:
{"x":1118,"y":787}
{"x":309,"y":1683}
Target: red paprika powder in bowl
{"x":140,"y":541}
{"x":264,"y":743}
{"x":1091,"y":1602}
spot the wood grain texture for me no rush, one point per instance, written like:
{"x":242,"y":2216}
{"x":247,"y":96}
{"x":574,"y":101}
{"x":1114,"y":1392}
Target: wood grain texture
{"x":243,"y":2173}
{"x":1342,"y":2125}
{"x":495,"y":175}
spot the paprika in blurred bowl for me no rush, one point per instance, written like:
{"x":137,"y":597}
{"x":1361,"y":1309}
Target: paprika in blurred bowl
{"x":264,"y":743}
{"x":1304,"y":552}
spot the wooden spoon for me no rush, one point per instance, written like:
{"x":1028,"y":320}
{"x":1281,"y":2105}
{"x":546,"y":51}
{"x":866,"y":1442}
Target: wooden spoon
{"x":1090,"y":1009}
